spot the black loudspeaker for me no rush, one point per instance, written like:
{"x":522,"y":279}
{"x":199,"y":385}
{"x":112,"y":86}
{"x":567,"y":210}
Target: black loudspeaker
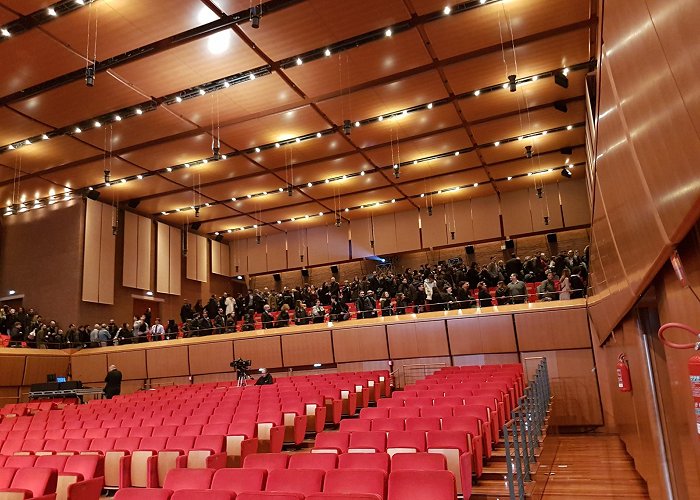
{"x":277,"y":277}
{"x":334,"y":269}
{"x":561,"y":80}
{"x":133,"y":203}
{"x":219,"y":238}
{"x":552,"y":237}
{"x":561,"y":106}
{"x":195,"y":226}
{"x":469,"y":249}
{"x":305,"y":273}
{"x":510,"y":244}
{"x":93,"y":195}
{"x":567,"y":150}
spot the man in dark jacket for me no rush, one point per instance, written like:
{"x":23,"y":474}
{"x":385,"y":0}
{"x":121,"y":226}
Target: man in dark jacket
{"x":514,"y":266}
{"x":113,"y":382}
{"x":266,"y":378}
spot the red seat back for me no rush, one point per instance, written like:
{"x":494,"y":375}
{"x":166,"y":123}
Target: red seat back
{"x":40,"y":481}
{"x":376,"y":461}
{"x":188,"y":479}
{"x":418,"y":461}
{"x":238,"y":480}
{"x":303,"y":481}
{"x":267,"y":461}
{"x":356,"y":481}
{"x":436,"y":485}
{"x":319,"y":461}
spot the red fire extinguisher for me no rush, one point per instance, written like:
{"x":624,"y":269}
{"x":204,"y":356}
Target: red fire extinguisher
{"x":624,"y":381}
{"x":693,"y":364}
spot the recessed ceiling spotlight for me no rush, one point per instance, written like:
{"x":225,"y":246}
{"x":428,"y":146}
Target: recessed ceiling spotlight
{"x":97,"y":124}
{"x":569,"y":127}
{"x":362,"y":173}
{"x":27,"y":142}
{"x":233,"y":199}
{"x":505,"y":85}
{"x":229,"y":230}
{"x":252,"y":76}
{"x":164,"y":213}
{"x":249,"y":196}
{"x":309,"y":184}
{"x":357,"y":124}
{"x":277,"y":144}
{"x":327,"y":181}
{"x":447,"y":10}
{"x":169,"y":169}
{"x":456,"y":153}
{"x":327,"y":52}
{"x":279,"y":222}
{"x":320,"y":214}
{"x":482,"y":2}
{"x":224,"y":157}
{"x":430,"y":105}
{"x":477,"y":93}
{"x":509,"y":178}
{"x":205,"y":161}
{"x":5,"y":32}
{"x":44,"y":137}
{"x":139,"y":177}
{"x":535,"y":78}
{"x":318,"y":134}
{"x":298,"y":139}
{"x":77,"y":130}
{"x":51,"y":12}
{"x":123,"y":181}
{"x":566,"y":71}
{"x":476,"y":184}
{"x":388,"y":32}
{"x":381,"y":118}
{"x":347,"y":209}
{"x":117,"y":118}
{"x":257,"y":150}
{"x":497,"y":143}
{"x":139,"y":111}
{"x":299,"y":61}
{"x":281,"y":190}
{"x":422,"y":195}
{"x":227,"y":85}
{"x":202,"y":92}
{"x":393,"y":200}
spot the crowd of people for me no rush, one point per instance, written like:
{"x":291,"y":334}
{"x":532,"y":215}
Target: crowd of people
{"x":448,"y":285}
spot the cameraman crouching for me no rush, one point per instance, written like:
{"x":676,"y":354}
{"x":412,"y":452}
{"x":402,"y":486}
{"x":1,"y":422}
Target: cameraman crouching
{"x":266,"y":378}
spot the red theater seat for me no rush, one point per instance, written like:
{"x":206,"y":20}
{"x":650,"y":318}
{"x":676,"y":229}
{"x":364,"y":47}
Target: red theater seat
{"x":418,"y":461}
{"x":269,"y":496}
{"x":239,"y":480}
{"x":365,"y":481}
{"x":267,"y":461}
{"x":143,"y":494}
{"x":188,"y":479}
{"x":202,"y":495}
{"x":332,"y":442}
{"x":319,"y":461}
{"x":358,"y":424}
{"x":343,"y":496}
{"x":375,"y":461}
{"x":435,"y":485}
{"x":367,"y":442}
{"x":35,"y":481}
{"x":304,"y":481}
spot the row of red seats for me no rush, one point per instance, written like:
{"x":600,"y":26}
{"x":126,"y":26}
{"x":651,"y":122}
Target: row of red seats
{"x":66,"y":477}
{"x":430,"y":481}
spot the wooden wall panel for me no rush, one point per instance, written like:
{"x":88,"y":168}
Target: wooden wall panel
{"x":459,"y":218}
{"x":277,"y":252}
{"x":296,"y":246}
{"x":574,"y":202}
{"x":360,"y":344}
{"x":176,"y":261}
{"x":486,"y":359}
{"x":167,"y":362}
{"x":434,"y":227}
{"x":338,"y":246}
{"x":238,"y":257}
{"x":131,"y":238}
{"x":539,"y":208}
{"x":257,"y":255}
{"x":563,"y":329}
{"x":220,"y":258}
{"x":264,"y":352}
{"x":215,"y":257}
{"x":481,"y":334}
{"x":143,"y":261}
{"x":360,"y":234}
{"x":89,"y":368}
{"x":317,"y":238}
{"x":515,"y":206}
{"x":212,"y":357}
{"x":162,"y":258}
{"x":191,"y":257}
{"x":384,"y":234}
{"x":225,"y":259}
{"x":485,"y":217}
{"x":91,"y":251}
{"x":305,"y":349}
{"x":108,"y":242}
{"x":131,"y":363}
{"x":202,"y":259}
{"x":407,"y":231}
{"x":417,"y":339}
{"x":11,"y":370}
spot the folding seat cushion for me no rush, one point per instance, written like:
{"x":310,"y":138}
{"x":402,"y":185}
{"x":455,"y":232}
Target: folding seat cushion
{"x":450,"y":401}
{"x":489,"y":422}
{"x":32,"y":445}
{"x":57,"y":462}
{"x":331,"y":442}
{"x":95,"y":433}
{"x":240,"y":442}
{"x":239,"y":480}
{"x":436,"y":485}
{"x":201,"y":419}
{"x":390,"y":403}
{"x":188,"y":479}
{"x":221,"y":418}
{"x":170,"y":455}
{"x":355,"y":424}
{"x":267,"y":461}
{"x":388,"y":424}
{"x":419,"y":402}
{"x":143,"y":494}
{"x":404,"y":412}
{"x":454,"y":446}
{"x":165,"y":431}
{"x":219,"y":429}
{"x":118,"y":432}
{"x":20,"y":461}
{"x":39,"y":481}
{"x":35,"y":434}
{"x":101,"y":446}
{"x":367,"y":442}
{"x":356,"y":481}
{"x":319,"y":461}
{"x":496,"y":409}
{"x":375,"y":461}
{"x":11,"y":446}
{"x":202,"y":495}
{"x":304,"y":481}
{"x":405,"y":442}
{"x":418,"y":461}
{"x":268,"y":495}
{"x":372,"y":413}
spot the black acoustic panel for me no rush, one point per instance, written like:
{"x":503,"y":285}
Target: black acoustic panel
{"x":469,"y":249}
{"x":552,"y":237}
{"x":510,"y":244}
{"x":277,"y":277}
{"x":305,"y":273}
{"x":334,"y":269}
{"x":195,"y":226}
{"x":133,"y":203}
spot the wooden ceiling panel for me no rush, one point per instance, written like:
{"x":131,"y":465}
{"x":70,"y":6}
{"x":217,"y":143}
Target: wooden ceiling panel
{"x":533,"y":58}
{"x":416,"y":123}
{"x":239,"y":188}
{"x":34,"y":57}
{"x":224,"y":224}
{"x":446,"y":182}
{"x":189,"y":65}
{"x":372,"y":61}
{"x":391,"y":97}
{"x":28,"y":191}
{"x":205,"y":213}
{"x":549,"y":142}
{"x":323,"y":23}
{"x":168,"y":202}
{"x":171,"y":152}
{"x":529,"y":95}
{"x":55,"y":152}
{"x":330,"y":168}
{"x":549,"y":179}
{"x":123,"y":25}
{"x":440,"y":166}
{"x":25,"y":7}
{"x":522,"y":166}
{"x":368,"y":197}
{"x":234,"y":166}
{"x":6,"y":16}
{"x":311,"y":209}
{"x":420,"y":148}
{"x":7,"y":172}
{"x":305,"y":151}
{"x":92,"y":173}
{"x":232,"y":6}
{"x":272,"y":128}
{"x":15,"y":126}
{"x":340,"y":188}
{"x":243,"y":100}
{"x":527,"y":123}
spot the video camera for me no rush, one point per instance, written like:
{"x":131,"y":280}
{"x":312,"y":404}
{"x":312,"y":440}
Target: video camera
{"x":241,"y":366}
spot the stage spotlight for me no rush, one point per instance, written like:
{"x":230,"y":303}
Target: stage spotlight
{"x":290,"y":190}
{"x":196,"y":211}
{"x":561,"y":106}
{"x":511,"y":83}
{"x":215,"y":150}
{"x":561,"y":80}
{"x":546,"y":220}
{"x":254,"y":17}
{"x":430,"y":210}
{"x":566,"y":173}
{"x":107,"y":175}
{"x":90,"y":76}
{"x":397,"y":171}
{"x":347,"y":127}
{"x":539,"y":192}
{"x":528,"y":151}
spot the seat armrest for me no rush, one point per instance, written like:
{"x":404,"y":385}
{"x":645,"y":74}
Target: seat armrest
{"x":216,"y":461}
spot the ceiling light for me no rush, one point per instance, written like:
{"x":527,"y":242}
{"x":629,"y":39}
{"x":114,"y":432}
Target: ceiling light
{"x":362,"y":173}
{"x":298,"y":139}
{"x":381,"y":118}
{"x":566,"y":173}
{"x":447,"y":10}
{"x":520,"y":138}
{"x":567,"y":161}
{"x":497,"y":143}
{"x":257,"y":150}
{"x":229,"y":231}
{"x":5,"y":32}
{"x":90,"y":188}
{"x":299,"y":61}
{"x":249,"y":196}
{"x":216,"y":233}
{"x":281,"y":190}
{"x":327,"y":181}
{"x":393,"y":200}
{"x":123,"y":181}
{"x":344,"y":177}
{"x":277,"y":144}
{"x":529,"y":174}
{"x":439,"y":191}
{"x":202,"y":92}
{"x":77,"y":130}
{"x":535,"y":78}
{"x":318,"y":134}
{"x":233,"y":199}
{"x":139,"y":111}
{"x":117,"y":118}
{"x":422,"y":195}
{"x":227,"y":85}
{"x":108,"y":184}
{"x":430,"y":105}
{"x":415,"y":162}
{"x":205,"y":161}
{"x":27,"y":142}
{"x":320,"y":214}
{"x":51,"y":12}
{"x":224,"y":157}
{"x":476,"y":184}
{"x":347,"y":209}
{"x":404,"y":112}
{"x":207,"y":205}
{"x":279,"y":222}
{"x":44,"y":137}
{"x":566,"y":71}
{"x":387,"y":32}
{"x":97,"y":124}
{"x":357,"y":124}
{"x":309,"y":184}
{"x":477,"y":93}
{"x":178,"y":99}
{"x":139,"y":177}
{"x":362,"y":206}
{"x":544,"y":132}
{"x":509,"y":178}
{"x":255,"y":226}
{"x":10,"y":146}
{"x":292,"y":219}
{"x":169,"y":169}
{"x":252,"y":76}
{"x":569,"y":127}
{"x":264,"y":193}
{"x":456,"y":153}
{"x":482,"y":2}
{"x":327,"y":52}
{"x":505,"y":85}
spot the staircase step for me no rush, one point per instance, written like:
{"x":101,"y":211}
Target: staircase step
{"x":493,"y":489}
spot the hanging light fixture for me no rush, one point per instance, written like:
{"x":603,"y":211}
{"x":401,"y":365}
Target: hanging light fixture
{"x":511,"y":83}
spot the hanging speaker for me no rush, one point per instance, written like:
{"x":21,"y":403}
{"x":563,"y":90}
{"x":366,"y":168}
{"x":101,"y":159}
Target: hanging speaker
{"x":133,"y":203}
{"x":219,"y":238}
{"x":93,"y":195}
{"x":561,"y":106}
{"x":469,"y":249}
{"x":277,"y":277}
{"x":305,"y":273}
{"x":334,"y":269}
{"x":552,"y":237}
{"x":561,"y":80}
{"x":195,"y":226}
{"x":566,"y":150}
{"x":510,"y":244}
